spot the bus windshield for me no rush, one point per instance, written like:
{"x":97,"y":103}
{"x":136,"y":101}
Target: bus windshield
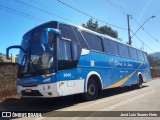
{"x":38,"y":59}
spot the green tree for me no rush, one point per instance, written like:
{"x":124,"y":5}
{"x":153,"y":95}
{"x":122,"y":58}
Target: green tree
{"x":108,"y":31}
{"x":102,"y":29}
{"x":91,"y":25}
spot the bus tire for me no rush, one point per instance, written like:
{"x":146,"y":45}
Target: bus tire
{"x":92,"y":90}
{"x":140,"y":81}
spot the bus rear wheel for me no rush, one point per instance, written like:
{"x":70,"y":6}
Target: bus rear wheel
{"x":92,"y":90}
{"x":140,"y":81}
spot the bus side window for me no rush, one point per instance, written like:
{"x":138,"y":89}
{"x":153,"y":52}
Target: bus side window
{"x":67,"y":32}
{"x":145,"y":56}
{"x":80,"y":38}
{"x":133,"y":53}
{"x":110,"y":47}
{"x":76,"y":51}
{"x":94,"y":41}
{"x":69,"y":54}
{"x":140,"y":55}
{"x":65,"y":50}
{"x":65,"y":57}
{"x":123,"y":50}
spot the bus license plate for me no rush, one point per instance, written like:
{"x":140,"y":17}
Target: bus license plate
{"x":28,"y":90}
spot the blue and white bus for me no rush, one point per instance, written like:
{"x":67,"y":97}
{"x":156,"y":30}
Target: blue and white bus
{"x":58,"y":59}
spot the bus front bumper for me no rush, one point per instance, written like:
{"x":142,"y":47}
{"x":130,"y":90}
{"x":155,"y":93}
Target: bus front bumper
{"x":44,"y":90}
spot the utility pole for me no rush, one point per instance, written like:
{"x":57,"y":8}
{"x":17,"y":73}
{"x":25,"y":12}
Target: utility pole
{"x":129,"y":35}
{"x":129,"y":29}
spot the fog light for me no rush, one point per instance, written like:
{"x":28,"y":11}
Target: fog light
{"x":49,"y":93}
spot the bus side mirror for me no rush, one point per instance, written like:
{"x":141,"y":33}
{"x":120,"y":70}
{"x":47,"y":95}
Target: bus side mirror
{"x":11,"y":47}
{"x":45,"y":34}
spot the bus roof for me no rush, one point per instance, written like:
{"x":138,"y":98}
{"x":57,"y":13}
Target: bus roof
{"x":87,"y":30}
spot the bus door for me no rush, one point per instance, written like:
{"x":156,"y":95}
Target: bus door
{"x":67,"y":66}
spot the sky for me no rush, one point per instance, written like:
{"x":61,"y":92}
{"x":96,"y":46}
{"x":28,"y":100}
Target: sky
{"x":19,"y":16}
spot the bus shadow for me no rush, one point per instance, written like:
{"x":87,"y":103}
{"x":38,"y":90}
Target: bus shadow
{"x":51,"y":104}
{"x":118,"y":90}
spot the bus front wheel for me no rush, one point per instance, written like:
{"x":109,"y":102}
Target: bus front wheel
{"x":92,"y":90}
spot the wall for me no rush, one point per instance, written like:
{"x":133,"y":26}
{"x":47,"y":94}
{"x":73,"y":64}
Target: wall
{"x":155,"y":73}
{"x":8,"y":76}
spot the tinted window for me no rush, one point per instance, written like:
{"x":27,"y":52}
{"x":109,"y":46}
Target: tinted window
{"x":145,"y":56}
{"x":76,"y":50}
{"x":123,"y":50}
{"x":80,"y":38}
{"x":133,"y":53}
{"x":65,"y":50}
{"x":69,"y":54}
{"x":67,"y":32}
{"x":140,"y":55}
{"x":110,"y":47}
{"x":94,"y":42}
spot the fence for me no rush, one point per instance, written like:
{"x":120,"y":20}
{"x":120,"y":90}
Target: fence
{"x":8,"y":76}
{"x":155,"y":73}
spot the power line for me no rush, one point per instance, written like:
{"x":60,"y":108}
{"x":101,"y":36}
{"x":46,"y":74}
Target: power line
{"x":117,"y":7}
{"x":8,"y":9}
{"x":125,"y":13}
{"x":43,"y":5}
{"x":19,"y":12}
{"x":45,"y":11}
{"x":143,"y":42}
{"x":90,"y":15}
{"x":14,"y":13}
{"x":150,"y":35}
{"x":24,"y":11}
{"x":145,"y":30}
{"x":66,"y":18}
